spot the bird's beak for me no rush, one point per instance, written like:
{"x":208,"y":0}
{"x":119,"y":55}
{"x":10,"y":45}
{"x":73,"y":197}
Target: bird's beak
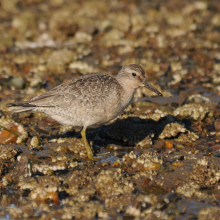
{"x":152,"y":88}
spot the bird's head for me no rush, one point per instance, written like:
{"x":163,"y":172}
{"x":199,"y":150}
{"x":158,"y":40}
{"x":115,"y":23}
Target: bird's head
{"x":134,"y":75}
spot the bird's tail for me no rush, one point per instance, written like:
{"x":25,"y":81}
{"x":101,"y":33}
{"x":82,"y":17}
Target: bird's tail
{"x":24,"y":107}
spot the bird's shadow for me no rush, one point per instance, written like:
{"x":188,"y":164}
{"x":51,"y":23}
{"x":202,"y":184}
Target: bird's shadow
{"x":129,"y":131}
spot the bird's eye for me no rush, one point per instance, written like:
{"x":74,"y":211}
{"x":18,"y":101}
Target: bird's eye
{"x":134,"y":74}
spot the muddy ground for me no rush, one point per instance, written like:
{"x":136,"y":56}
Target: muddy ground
{"x":160,"y":158}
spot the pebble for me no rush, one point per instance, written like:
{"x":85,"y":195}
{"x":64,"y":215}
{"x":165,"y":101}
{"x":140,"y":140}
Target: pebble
{"x":17,"y":83}
{"x":159,"y":145}
{"x":168,"y":145}
{"x":180,"y":147}
{"x":35,"y":141}
{"x":51,"y":197}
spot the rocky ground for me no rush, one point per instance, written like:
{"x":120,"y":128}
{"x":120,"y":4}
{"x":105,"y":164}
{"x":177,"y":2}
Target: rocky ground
{"x":161,"y":155}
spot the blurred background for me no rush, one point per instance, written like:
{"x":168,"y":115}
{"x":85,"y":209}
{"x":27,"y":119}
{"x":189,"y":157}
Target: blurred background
{"x":164,"y":156}
{"x":44,"y":43}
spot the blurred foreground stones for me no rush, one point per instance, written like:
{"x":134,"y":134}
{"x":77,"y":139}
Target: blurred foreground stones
{"x":161,"y":155}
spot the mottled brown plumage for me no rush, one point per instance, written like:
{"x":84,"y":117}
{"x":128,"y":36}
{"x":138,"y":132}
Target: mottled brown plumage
{"x":90,"y":100}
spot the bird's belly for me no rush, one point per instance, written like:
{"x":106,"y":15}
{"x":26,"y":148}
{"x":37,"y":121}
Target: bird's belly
{"x":85,"y":115}
{"x":65,"y":116}
{"x":101,"y":116}
{"x":81,"y":116}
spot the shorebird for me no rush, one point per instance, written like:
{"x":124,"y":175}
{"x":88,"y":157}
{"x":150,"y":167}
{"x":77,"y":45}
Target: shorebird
{"x":90,"y":100}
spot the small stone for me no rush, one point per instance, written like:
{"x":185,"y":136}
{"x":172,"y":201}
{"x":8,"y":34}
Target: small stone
{"x":212,"y":133}
{"x":168,"y":145}
{"x":146,"y":146}
{"x":180,"y":147}
{"x":53,"y":197}
{"x":35,"y":81}
{"x":159,"y":145}
{"x":17,"y":83}
{"x":35,"y":141}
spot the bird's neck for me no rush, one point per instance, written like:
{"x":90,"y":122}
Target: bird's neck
{"x":128,"y":90}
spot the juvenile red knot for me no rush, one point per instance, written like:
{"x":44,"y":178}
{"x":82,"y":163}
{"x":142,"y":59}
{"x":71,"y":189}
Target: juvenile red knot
{"x":90,"y":100}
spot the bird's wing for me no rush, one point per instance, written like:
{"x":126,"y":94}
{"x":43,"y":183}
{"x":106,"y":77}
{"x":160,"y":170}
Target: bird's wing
{"x":87,"y":90}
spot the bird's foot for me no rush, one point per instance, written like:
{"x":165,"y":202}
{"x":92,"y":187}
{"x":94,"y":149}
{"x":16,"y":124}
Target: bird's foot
{"x":91,"y":157}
